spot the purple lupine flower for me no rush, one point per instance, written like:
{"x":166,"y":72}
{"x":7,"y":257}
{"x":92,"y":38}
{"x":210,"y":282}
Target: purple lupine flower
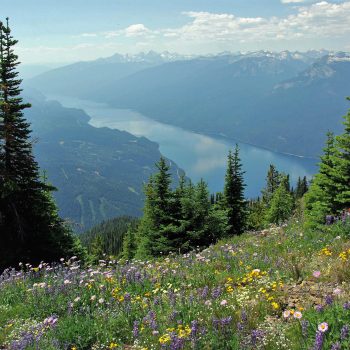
{"x":346,"y":305}
{"x":194,"y":328}
{"x":319,"y":308}
{"x":216,"y":292}
{"x":216,"y":323}
{"x":329,"y":219}
{"x":256,"y":336}
{"x":240,"y":326}
{"x":329,"y":300}
{"x":344,"y":333}
{"x":177,"y":343}
{"x":305,"y":328}
{"x":172,"y":298}
{"x":244,"y":316}
{"x":336,"y":346}
{"x":318,"y":341}
{"x":205,"y":292}
{"x":226,"y":321}
{"x":173,"y":315}
{"x":135,"y":330}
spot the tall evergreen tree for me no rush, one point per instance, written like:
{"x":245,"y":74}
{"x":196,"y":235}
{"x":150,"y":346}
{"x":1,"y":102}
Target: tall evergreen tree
{"x":272,"y":183}
{"x":281,"y":204}
{"x":302,"y":187}
{"x":233,"y":197}
{"x":29,"y":224}
{"x":320,"y":199}
{"x":341,"y":170}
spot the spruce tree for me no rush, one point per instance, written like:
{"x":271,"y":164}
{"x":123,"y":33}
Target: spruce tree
{"x":272,"y":183}
{"x":320,"y":198}
{"x":30,"y":227}
{"x":281,"y":204}
{"x":341,"y":169}
{"x":233,"y":197}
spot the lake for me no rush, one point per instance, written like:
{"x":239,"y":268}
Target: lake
{"x":199,"y":155}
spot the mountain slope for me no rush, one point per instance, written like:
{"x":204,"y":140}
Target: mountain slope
{"x":277,"y":93}
{"x":99,"y":173}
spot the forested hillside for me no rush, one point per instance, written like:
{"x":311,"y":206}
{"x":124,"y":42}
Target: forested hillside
{"x":99,"y":173}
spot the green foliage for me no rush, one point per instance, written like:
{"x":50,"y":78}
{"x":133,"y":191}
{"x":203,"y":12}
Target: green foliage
{"x":233,"y":199}
{"x":29,"y":223}
{"x":272,"y":183}
{"x":107,"y":237}
{"x":176,"y":220}
{"x":341,"y":160}
{"x":281,"y":204}
{"x":329,"y":192}
{"x":256,"y":215}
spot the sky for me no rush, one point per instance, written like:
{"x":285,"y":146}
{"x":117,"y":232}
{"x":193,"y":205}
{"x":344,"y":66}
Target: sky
{"x":63,"y":31}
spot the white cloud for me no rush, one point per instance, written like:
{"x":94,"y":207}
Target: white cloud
{"x":292,"y":1}
{"x":320,"y":20}
{"x":136,"y":30}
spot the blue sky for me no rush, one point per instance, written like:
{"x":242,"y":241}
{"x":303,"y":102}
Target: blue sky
{"x":60,"y":31}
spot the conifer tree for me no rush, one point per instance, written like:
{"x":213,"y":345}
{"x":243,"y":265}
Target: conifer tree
{"x":272,"y":183}
{"x":281,"y":204}
{"x":233,"y":197}
{"x":320,"y":199}
{"x":30,"y":227}
{"x":341,"y":170}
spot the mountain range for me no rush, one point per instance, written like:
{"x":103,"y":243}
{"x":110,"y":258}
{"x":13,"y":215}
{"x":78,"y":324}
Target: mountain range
{"x":267,"y":99}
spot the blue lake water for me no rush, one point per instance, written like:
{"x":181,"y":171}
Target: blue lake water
{"x":199,"y":155}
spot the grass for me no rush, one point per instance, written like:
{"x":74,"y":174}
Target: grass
{"x":234,"y":295}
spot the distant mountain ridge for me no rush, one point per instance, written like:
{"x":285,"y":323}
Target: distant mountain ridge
{"x":255,"y":97}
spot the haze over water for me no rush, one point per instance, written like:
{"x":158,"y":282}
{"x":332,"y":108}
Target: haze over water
{"x":199,"y":155}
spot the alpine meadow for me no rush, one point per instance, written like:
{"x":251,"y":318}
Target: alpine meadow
{"x":175,"y":175}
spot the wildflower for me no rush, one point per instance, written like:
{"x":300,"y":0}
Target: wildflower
{"x":286,"y":313}
{"x":164,"y":339}
{"x":135,"y":330}
{"x":256,"y":335}
{"x":329,"y":300}
{"x":336,"y":346}
{"x":346,"y":306}
{"x":275,"y":305}
{"x":113,"y":345}
{"x":316,"y":274}
{"x":77,"y":299}
{"x":101,"y":300}
{"x":207,"y":303}
{"x":305,"y":328}
{"x":344,"y":333}
{"x":323,"y":327}
{"x":319,"y":308}
{"x":298,"y":315}
{"x":93,"y":298}
{"x":318,"y":341}
{"x":223,"y":303}
{"x":337,"y":291}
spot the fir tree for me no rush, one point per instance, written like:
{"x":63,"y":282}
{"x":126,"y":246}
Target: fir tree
{"x":281,"y":204}
{"x":302,"y":187}
{"x":341,"y":170}
{"x":233,"y":197}
{"x":272,"y":183}
{"x":30,"y":227}
{"x":320,"y":199}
